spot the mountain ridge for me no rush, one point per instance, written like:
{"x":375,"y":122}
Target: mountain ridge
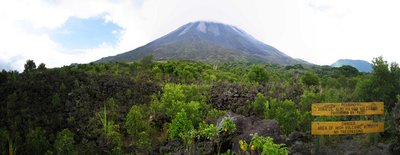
{"x":208,"y":42}
{"x":360,"y":65}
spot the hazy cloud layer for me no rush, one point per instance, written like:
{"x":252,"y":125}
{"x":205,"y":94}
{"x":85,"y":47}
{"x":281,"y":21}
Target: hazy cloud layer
{"x":319,"y":31}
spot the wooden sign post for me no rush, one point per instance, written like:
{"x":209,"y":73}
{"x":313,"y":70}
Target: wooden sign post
{"x":346,"y":127}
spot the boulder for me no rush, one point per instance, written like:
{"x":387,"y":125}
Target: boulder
{"x":296,"y":136}
{"x":248,"y":126}
{"x":297,"y":141}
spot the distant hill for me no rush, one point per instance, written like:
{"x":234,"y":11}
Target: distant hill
{"x":361,"y":65}
{"x":208,"y":42}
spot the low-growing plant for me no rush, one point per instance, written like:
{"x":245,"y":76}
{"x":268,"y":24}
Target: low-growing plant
{"x":267,"y":146}
{"x":207,"y":131}
{"x":226,"y":128}
{"x":188,"y":139}
{"x":227,"y":125}
{"x":144,"y":141}
{"x":243,"y":147}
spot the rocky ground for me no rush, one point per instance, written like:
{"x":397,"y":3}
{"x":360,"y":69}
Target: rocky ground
{"x":298,"y":143}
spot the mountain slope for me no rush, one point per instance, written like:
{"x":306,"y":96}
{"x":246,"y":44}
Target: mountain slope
{"x":361,"y":65}
{"x":207,"y":42}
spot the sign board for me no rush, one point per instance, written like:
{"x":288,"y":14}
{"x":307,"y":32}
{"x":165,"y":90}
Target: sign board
{"x":346,"y":127}
{"x":346,"y":109}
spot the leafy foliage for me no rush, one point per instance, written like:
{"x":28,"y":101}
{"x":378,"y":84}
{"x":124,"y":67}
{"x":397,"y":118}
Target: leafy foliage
{"x":120,"y":108}
{"x":180,"y":125}
{"x":37,"y":141}
{"x":258,"y":105}
{"x":258,"y":74}
{"x":227,"y":125}
{"x":266,"y":146}
{"x":310,"y":79}
{"x":64,"y":143}
{"x":285,"y":112}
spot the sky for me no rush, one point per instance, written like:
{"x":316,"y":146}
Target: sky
{"x":61,"y":32}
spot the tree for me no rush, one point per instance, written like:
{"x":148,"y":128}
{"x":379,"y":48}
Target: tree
{"x":135,"y":122}
{"x":147,"y":61}
{"x":385,"y":81}
{"x":29,"y":66}
{"x":41,"y":67}
{"x":310,"y":79}
{"x":348,"y":71}
{"x":258,"y":74}
{"x":258,"y":105}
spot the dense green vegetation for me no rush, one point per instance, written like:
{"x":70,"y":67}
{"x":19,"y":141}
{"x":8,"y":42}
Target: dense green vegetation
{"x":151,"y":107}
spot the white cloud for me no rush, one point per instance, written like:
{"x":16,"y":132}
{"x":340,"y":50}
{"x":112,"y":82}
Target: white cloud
{"x":319,"y":31}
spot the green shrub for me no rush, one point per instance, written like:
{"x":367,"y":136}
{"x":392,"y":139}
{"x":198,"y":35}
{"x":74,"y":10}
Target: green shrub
{"x":139,"y":128}
{"x":258,"y":74}
{"x":136,"y":121}
{"x":227,"y":125}
{"x":285,"y":112}
{"x":213,"y":115}
{"x":37,"y":141}
{"x":64,"y":143}
{"x":258,"y":105}
{"x":176,"y":97}
{"x":310,"y":79}
{"x":180,"y":124}
{"x":267,"y":146}
{"x":144,"y":140}
{"x":110,"y":130}
{"x":208,"y":131}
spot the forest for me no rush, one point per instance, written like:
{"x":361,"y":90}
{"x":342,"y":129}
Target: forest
{"x":183,"y":107}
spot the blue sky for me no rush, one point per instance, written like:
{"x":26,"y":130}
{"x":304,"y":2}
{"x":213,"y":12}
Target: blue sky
{"x":79,"y":33}
{"x":62,"y":32}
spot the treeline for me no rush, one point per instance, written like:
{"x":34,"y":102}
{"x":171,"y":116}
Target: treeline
{"x":149,"y":107}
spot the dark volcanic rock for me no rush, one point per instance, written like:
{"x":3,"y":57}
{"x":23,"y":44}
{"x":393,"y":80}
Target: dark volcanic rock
{"x":395,"y":148}
{"x":248,"y":126}
{"x":234,"y":97}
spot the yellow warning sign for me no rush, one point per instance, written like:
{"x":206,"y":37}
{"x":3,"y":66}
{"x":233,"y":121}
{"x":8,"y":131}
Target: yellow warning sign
{"x":346,"y":127}
{"x":343,"y":109}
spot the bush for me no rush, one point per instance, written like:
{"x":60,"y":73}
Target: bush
{"x":227,"y":125}
{"x":258,"y":105}
{"x":138,"y":127}
{"x":37,"y":141}
{"x":310,"y":79}
{"x":136,"y":122}
{"x":258,"y":74}
{"x":267,"y":146}
{"x":213,"y":115}
{"x":176,"y":97}
{"x":144,"y":140}
{"x":208,"y":131}
{"x":286,"y":113}
{"x":64,"y":143}
{"x":180,"y":124}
